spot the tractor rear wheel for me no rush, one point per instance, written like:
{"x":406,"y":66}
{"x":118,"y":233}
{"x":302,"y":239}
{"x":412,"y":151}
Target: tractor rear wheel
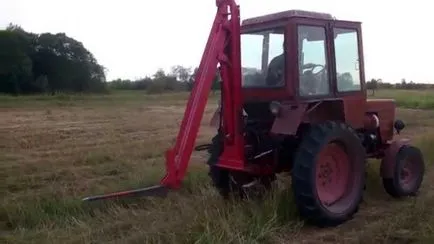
{"x":238,"y":184}
{"x":235,"y":183}
{"x":408,"y":173}
{"x":328,"y":175}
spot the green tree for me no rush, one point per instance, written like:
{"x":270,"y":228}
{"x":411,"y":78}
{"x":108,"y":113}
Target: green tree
{"x":67,"y":64}
{"x":215,"y":83}
{"x":181,"y":73}
{"x":345,"y":81}
{"x":373,"y":85}
{"x":15,"y":64}
{"x":32,"y":63}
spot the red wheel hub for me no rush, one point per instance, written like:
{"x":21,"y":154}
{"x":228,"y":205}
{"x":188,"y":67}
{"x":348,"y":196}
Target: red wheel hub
{"x":332,"y":174}
{"x":405,"y":175}
{"x":409,"y":173}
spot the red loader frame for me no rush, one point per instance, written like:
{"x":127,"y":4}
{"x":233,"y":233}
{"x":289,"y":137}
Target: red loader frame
{"x":222,"y":47}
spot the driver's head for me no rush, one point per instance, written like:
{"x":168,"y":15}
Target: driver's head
{"x":276,"y":69}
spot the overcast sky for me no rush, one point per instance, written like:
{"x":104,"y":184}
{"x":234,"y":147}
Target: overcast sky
{"x":133,"y":38}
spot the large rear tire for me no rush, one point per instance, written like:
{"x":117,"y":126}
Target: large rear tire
{"x":328,"y":175}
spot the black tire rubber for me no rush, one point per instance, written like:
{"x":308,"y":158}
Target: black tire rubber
{"x":221,"y":178}
{"x":393,"y":185}
{"x":303,"y":174}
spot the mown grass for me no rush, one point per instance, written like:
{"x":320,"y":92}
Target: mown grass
{"x":49,"y":161}
{"x":110,"y":98}
{"x":416,"y":99}
{"x":196,"y":214}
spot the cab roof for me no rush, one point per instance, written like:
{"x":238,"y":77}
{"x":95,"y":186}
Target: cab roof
{"x":286,"y":15}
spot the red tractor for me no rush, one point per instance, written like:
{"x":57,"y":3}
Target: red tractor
{"x":293,"y":99}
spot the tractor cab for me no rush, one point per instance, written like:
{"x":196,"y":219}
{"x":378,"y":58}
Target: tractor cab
{"x":299,"y":55}
{"x":305,"y":59}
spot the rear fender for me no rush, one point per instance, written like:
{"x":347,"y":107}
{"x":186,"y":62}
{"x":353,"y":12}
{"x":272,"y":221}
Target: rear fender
{"x":322,"y":111}
{"x":389,"y":160}
{"x":287,"y":122}
{"x":291,"y":116}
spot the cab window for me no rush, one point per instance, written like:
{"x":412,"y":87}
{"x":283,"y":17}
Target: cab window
{"x":263,"y":59}
{"x":312,"y":59}
{"x":347,"y":60}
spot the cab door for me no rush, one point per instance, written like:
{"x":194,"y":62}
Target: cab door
{"x":348,"y":69}
{"x":313,"y":60}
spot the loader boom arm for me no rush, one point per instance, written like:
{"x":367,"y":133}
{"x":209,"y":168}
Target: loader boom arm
{"x":222,"y":48}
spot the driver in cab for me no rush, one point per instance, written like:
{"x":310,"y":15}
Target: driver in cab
{"x":310,"y":83}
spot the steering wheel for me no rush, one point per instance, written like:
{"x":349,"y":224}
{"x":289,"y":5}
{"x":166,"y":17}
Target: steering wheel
{"x":311,"y":82}
{"x":312,"y":66}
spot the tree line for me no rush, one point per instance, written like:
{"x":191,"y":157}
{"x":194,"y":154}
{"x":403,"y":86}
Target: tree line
{"x":41,"y":63}
{"x":179,"y":78}
{"x":51,"y":63}
{"x":56,"y":63}
{"x":375,"y":84}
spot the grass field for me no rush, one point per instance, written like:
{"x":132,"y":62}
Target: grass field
{"x":422,"y":99}
{"x":56,"y":150}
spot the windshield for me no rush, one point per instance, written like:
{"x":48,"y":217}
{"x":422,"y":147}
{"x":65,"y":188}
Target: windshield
{"x":262,"y":59}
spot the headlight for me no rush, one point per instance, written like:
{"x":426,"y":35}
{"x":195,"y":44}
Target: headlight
{"x":275,"y":108}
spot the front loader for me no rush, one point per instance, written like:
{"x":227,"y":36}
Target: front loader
{"x":293,"y":99}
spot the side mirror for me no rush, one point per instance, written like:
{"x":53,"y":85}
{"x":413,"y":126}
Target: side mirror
{"x":399,"y":125}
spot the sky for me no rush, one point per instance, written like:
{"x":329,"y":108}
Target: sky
{"x":133,"y":38}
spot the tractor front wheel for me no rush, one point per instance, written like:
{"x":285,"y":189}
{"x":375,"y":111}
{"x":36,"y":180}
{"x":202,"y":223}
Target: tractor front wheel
{"x":328,"y":175}
{"x":408,"y":172}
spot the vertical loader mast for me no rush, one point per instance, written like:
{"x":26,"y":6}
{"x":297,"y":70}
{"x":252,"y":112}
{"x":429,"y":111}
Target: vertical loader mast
{"x":223,"y":47}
